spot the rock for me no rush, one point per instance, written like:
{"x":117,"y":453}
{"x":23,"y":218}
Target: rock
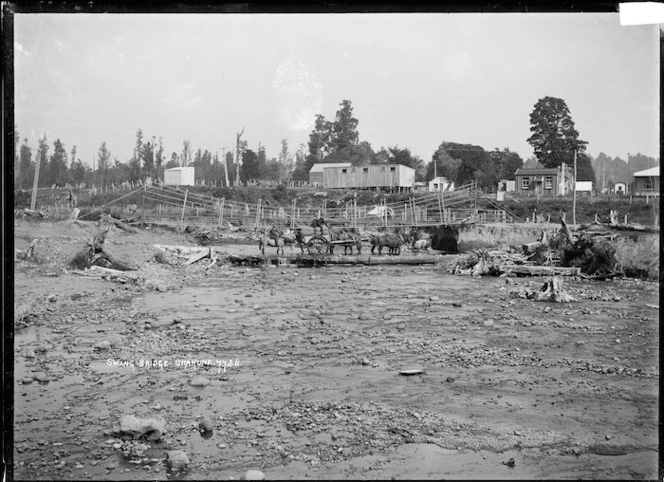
{"x":205,"y":425}
{"x":112,"y":466}
{"x":102,"y":345}
{"x":199,"y":381}
{"x":41,"y":377}
{"x":449,"y":379}
{"x":253,"y":475}
{"x":365,"y":361}
{"x":29,"y":354}
{"x":488,"y":322}
{"x":177,"y":459}
{"x":151,"y":428}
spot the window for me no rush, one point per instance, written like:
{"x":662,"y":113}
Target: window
{"x":548,"y":183}
{"x":366,"y":169}
{"x":344,"y":171}
{"x":648,"y":182}
{"x":393,"y":169}
{"x":525,"y":183}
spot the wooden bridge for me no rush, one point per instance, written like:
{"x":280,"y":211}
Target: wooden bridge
{"x":176,"y":205}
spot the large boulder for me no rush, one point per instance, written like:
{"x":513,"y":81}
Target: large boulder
{"x":150,"y":428}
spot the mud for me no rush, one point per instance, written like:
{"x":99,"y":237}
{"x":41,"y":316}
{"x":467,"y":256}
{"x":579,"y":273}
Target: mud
{"x":303,"y":369}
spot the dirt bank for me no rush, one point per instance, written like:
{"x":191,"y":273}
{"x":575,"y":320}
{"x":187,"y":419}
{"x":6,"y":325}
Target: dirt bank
{"x":509,"y":388}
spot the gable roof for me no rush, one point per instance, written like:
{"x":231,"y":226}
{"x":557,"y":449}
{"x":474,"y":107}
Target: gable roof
{"x":320,"y":166}
{"x":652,"y":172}
{"x":536,"y":171}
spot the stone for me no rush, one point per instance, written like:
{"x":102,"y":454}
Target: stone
{"x":177,"y":459}
{"x":205,"y":425}
{"x":102,"y":345}
{"x":41,"y":377}
{"x":151,"y":428}
{"x":253,"y":475}
{"x":365,"y":361}
{"x":488,"y":322}
{"x":199,"y":381}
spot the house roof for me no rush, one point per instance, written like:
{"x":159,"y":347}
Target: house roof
{"x":320,"y":166}
{"x":652,"y":172}
{"x":439,"y":179}
{"x":536,"y":171}
{"x":180,"y":168}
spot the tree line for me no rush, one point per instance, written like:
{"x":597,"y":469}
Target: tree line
{"x":554,"y":139}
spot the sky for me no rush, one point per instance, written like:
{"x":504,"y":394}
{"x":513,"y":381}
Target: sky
{"x":414,"y":80}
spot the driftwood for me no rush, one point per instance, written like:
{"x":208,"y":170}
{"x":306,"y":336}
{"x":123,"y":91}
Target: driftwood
{"x":207,"y":252}
{"x":94,"y":254}
{"x":553,"y":291}
{"x":366,"y":260}
{"x":28,"y":253}
{"x":98,"y":272}
{"x":541,"y":270}
{"x":33,"y":213}
{"x":107,"y":218}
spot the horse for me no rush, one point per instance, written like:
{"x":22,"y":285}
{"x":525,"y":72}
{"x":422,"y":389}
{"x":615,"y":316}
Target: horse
{"x":349,"y":235}
{"x":392,"y":240}
{"x":276,"y":238}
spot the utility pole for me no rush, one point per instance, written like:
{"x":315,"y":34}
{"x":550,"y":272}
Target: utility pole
{"x":35,"y":183}
{"x":574,"y":191}
{"x":238,"y":158}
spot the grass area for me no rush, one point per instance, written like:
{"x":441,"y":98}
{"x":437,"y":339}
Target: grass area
{"x":497,"y":236}
{"x":639,"y":255}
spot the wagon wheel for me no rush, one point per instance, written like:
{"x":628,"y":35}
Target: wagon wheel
{"x":318,"y":245}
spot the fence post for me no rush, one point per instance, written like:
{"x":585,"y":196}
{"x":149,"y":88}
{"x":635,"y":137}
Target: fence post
{"x":221,"y":212}
{"x":258,"y":212}
{"x":184,"y":206}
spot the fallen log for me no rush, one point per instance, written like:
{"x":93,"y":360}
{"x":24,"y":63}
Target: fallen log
{"x":197,"y":257}
{"x":34,"y":213}
{"x":367,"y":260}
{"x":527,"y":270}
{"x":97,"y":272}
{"x":110,"y":219}
{"x":181,"y":250}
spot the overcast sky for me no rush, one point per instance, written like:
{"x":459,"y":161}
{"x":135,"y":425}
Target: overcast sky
{"x":415,"y":80}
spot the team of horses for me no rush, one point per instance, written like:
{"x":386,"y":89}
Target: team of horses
{"x":393,"y":239}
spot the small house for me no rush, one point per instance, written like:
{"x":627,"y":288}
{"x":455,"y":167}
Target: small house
{"x":440,"y":184}
{"x":376,"y":176}
{"x":316,"y":171}
{"x":620,"y":188}
{"x":555,"y":181}
{"x":180,"y":176}
{"x":646,"y":183}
